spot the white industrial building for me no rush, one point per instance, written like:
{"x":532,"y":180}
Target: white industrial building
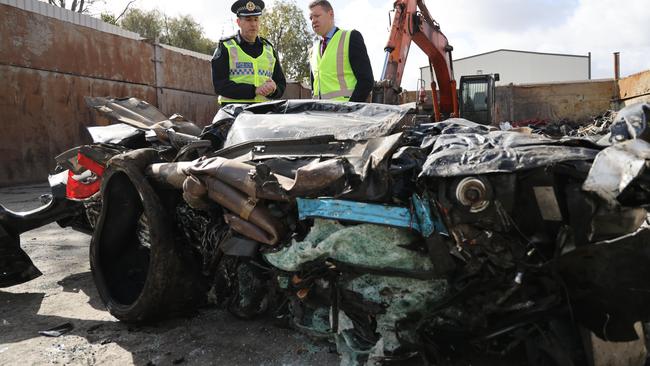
{"x":521,"y":67}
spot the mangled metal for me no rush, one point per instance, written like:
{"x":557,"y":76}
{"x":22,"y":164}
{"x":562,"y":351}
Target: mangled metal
{"x":608,"y":178}
{"x":393,"y":238}
{"x":463,"y":148}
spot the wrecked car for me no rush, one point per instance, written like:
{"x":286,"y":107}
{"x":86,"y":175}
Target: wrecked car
{"x":395,"y":238}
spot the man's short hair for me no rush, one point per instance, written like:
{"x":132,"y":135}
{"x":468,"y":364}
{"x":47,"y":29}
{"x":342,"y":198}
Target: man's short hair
{"x":322,"y":3}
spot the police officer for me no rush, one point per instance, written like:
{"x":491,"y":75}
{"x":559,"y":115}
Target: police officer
{"x":340,"y":66}
{"x":245,"y":67}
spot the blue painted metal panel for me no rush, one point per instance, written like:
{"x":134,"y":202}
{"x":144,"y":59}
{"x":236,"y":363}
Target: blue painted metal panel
{"x":417,"y":218}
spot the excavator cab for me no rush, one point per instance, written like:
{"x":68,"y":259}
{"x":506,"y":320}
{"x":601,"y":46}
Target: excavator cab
{"x":476,"y":97}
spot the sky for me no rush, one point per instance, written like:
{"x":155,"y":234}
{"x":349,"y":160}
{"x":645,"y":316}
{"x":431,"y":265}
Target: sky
{"x":471,"y":26}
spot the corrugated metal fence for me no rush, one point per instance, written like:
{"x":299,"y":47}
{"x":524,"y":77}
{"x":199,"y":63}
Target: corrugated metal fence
{"x":51,"y":58}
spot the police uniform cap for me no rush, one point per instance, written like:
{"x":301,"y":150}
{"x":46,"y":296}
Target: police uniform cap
{"x":247,"y":8}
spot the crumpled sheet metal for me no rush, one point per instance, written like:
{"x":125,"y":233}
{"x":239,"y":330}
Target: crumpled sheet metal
{"x":113,"y":134}
{"x":631,"y":122}
{"x":365,"y":162}
{"x":132,"y":111}
{"x":304,"y":119}
{"x":139,"y":114}
{"x":464,"y":149}
{"x":615,"y":168}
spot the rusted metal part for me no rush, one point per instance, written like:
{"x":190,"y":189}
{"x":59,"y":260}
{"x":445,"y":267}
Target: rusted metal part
{"x":173,"y":174}
{"x":238,"y":203}
{"x":310,"y":180}
{"x":635,"y":88}
{"x":237,"y":175}
{"x":195,"y":193}
{"x":253,"y":220}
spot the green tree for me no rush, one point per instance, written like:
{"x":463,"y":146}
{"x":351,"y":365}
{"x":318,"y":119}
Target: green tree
{"x":148,"y":24}
{"x":183,"y":31}
{"x":108,"y":18}
{"x":285,"y":26}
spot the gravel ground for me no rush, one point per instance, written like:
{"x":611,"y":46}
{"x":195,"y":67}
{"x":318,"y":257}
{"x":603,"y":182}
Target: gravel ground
{"x":66,"y":294}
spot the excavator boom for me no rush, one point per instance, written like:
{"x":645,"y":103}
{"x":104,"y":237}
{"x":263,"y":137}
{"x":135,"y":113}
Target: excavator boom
{"x":412,"y":22}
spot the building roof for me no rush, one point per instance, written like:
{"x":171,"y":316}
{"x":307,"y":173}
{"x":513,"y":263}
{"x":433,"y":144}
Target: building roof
{"x":519,"y":51}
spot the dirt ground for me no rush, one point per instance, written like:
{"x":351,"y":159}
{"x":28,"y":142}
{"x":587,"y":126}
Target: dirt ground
{"x":66,"y":294}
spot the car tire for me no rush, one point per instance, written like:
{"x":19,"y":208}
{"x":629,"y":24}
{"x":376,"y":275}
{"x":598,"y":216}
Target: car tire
{"x":142,"y":268}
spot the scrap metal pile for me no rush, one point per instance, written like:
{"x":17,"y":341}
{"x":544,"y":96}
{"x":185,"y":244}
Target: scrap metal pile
{"x":396,"y":239}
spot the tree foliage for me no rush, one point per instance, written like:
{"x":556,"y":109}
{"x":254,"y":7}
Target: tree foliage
{"x":285,"y":26}
{"x":108,"y":18}
{"x":148,"y":24}
{"x":79,"y":6}
{"x":183,"y":31}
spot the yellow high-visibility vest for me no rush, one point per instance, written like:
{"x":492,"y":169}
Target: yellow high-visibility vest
{"x":333,"y":75}
{"x":248,"y":70}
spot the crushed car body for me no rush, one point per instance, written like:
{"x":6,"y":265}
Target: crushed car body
{"x":364,"y":224}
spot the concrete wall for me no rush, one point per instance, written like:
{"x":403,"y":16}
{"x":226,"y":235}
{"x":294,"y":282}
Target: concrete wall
{"x":47,"y":67}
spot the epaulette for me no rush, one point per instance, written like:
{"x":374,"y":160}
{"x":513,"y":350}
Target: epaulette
{"x":264,"y":40}
{"x":224,"y":39}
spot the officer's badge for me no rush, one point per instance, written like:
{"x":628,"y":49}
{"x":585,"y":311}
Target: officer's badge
{"x":243,"y":65}
{"x":250,"y":6}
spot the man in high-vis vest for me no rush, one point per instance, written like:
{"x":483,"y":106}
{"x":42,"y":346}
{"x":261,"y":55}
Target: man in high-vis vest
{"x":340,"y":66}
{"x":245,"y":67}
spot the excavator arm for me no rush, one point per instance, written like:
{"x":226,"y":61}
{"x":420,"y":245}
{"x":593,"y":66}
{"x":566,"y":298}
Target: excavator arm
{"x":413,"y":25}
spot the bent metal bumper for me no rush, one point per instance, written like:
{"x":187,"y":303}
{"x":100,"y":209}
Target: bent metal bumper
{"x":15,"y":265}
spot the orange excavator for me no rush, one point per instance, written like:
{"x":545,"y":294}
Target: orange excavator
{"x":412,"y":22}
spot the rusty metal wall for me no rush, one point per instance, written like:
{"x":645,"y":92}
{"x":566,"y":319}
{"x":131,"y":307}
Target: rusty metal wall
{"x":199,"y":108}
{"x":43,"y":114}
{"x":296,"y":90}
{"x":635,"y":88}
{"x":184,"y":84}
{"x":577,"y":101}
{"x":39,"y":42}
{"x":47,"y":67}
